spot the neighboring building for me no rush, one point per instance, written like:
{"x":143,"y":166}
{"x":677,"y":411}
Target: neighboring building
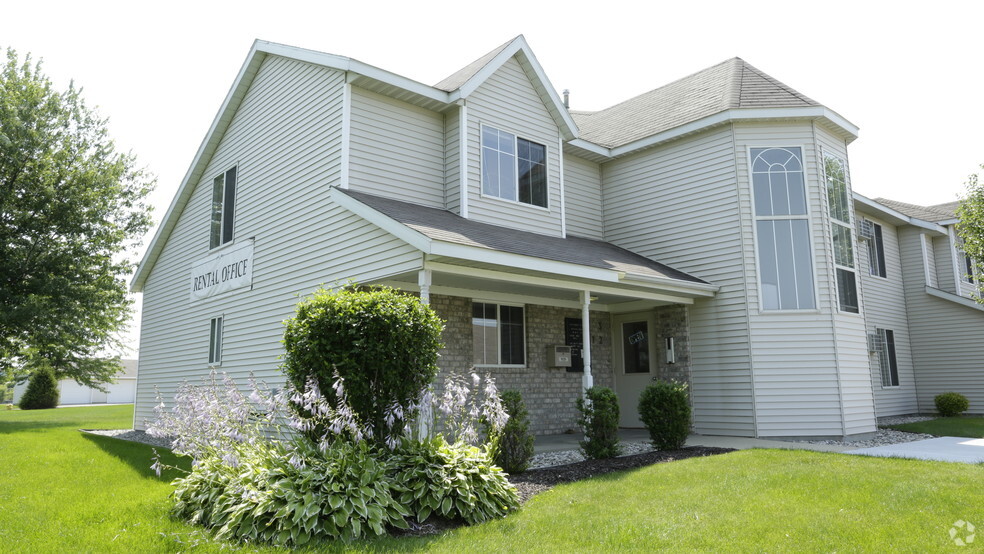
{"x":122,"y":391}
{"x":704,"y":231}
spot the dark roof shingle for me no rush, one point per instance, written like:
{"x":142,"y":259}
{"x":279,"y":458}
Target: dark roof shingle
{"x":445,"y":226}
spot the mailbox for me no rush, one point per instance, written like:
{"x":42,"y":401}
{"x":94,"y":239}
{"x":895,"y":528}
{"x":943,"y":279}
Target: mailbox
{"x":559,"y":356}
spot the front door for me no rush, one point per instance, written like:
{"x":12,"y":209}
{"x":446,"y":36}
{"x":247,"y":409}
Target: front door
{"x":635,"y":361}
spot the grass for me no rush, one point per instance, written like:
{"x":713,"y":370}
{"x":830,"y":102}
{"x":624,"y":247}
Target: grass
{"x":947,"y":427}
{"x":62,"y":491}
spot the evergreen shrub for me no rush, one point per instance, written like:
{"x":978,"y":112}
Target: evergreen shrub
{"x":951,"y":404}
{"x":42,"y":390}
{"x":599,"y":420}
{"x":664,"y":408}
{"x":381,"y":341}
{"x":512,"y":448}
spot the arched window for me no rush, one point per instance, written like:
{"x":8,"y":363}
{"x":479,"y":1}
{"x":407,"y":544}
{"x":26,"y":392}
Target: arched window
{"x":782,"y":228}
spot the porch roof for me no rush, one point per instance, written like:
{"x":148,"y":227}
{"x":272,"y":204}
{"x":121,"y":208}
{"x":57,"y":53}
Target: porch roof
{"x":445,"y":226}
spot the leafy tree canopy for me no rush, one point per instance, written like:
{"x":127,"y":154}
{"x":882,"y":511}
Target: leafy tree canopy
{"x":71,"y":212}
{"x":971,"y":228}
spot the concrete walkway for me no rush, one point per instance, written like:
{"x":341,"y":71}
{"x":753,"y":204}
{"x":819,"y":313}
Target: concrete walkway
{"x":943,"y":449}
{"x":556,"y":443}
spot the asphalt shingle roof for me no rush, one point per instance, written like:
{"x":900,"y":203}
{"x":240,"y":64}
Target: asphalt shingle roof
{"x":730,"y":84}
{"x":445,"y":226}
{"x":454,"y":81}
{"x":939,"y":212}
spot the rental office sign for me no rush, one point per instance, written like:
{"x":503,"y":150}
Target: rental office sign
{"x":222,"y":272}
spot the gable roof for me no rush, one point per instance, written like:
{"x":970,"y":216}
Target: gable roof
{"x":361,"y":74}
{"x":732,"y":87}
{"x":442,"y":225}
{"x":937,"y":213}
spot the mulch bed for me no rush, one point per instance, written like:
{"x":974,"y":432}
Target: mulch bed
{"x":536,"y":481}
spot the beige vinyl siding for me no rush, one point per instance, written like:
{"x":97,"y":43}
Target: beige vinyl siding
{"x":286,"y":140}
{"x":853,"y":361}
{"x":885,"y":308}
{"x":508,"y":102}
{"x":947,"y":349}
{"x":944,"y":264}
{"x":397,"y":150}
{"x":452,"y":159}
{"x":810,"y":367}
{"x":677,"y":204}
{"x":582,"y":191}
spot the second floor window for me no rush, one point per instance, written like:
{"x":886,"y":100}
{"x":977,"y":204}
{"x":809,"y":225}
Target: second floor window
{"x":513,"y":168}
{"x":842,"y":234}
{"x":782,"y":229}
{"x":223,"y":208}
{"x":876,"y":252}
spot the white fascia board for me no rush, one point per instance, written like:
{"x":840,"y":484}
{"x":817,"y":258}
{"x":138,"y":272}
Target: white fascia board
{"x":215,"y":131}
{"x":970,"y":303}
{"x":479,"y":254}
{"x":667,"y":283}
{"x":388,"y":224}
{"x":342,"y":63}
{"x":494,"y":296}
{"x":591,"y":147}
{"x":737,"y":114}
{"x":520,"y":46}
{"x":548,"y":282}
{"x":948,"y":222}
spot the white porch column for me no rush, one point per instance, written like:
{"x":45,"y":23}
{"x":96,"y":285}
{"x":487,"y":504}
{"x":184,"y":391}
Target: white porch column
{"x":424,"y":280}
{"x":587,"y":381}
{"x":425,"y":418}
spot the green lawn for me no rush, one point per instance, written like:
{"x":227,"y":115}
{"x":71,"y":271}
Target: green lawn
{"x":947,"y":427}
{"x":61,"y":491}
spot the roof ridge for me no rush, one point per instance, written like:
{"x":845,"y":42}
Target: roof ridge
{"x":779,"y":83}
{"x":734,"y":98}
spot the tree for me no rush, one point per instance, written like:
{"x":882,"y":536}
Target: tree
{"x":71,"y":214}
{"x":971,"y":228}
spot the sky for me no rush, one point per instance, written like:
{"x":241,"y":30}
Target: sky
{"x":908,"y":74}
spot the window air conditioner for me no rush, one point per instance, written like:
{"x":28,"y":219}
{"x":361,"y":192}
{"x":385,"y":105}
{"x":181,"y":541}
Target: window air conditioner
{"x":866,"y":229}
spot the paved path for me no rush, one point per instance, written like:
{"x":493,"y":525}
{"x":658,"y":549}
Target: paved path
{"x":943,"y":449}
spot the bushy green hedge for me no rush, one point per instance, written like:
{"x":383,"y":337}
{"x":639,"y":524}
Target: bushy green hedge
{"x":664,"y":408}
{"x":382,"y":341}
{"x":42,"y":390}
{"x":344,"y":493}
{"x":454,"y":481}
{"x":951,"y":404}
{"x":599,"y":420}
{"x":512,"y":448}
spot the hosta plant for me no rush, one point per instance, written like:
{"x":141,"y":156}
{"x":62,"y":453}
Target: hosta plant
{"x":455,"y":481}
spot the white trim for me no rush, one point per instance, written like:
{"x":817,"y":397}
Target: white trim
{"x":516,"y":138}
{"x":346,"y":146}
{"x":587,"y":380}
{"x":563,"y":199}
{"x":895,"y":217}
{"x":542,"y":84}
{"x":500,"y":297}
{"x":939,"y":293}
{"x":669,"y":283}
{"x":463,"y":159}
{"x":925,"y":259}
{"x":958,"y":276}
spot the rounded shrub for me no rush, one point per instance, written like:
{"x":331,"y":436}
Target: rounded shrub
{"x":454,"y":481}
{"x":381,"y":341}
{"x":512,"y":448}
{"x":42,"y":390}
{"x":664,"y":408}
{"x":951,"y":404}
{"x":599,"y":420}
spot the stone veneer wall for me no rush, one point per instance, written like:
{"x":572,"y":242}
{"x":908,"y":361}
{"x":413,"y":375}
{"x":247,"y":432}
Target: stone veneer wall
{"x":549,"y":393}
{"x":672,"y":321}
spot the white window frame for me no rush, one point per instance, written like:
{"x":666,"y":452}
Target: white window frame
{"x":227,"y":215}
{"x":849,"y":226}
{"x":516,"y":138}
{"x":498,"y":326}
{"x":756,"y":218}
{"x":216,"y":331}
